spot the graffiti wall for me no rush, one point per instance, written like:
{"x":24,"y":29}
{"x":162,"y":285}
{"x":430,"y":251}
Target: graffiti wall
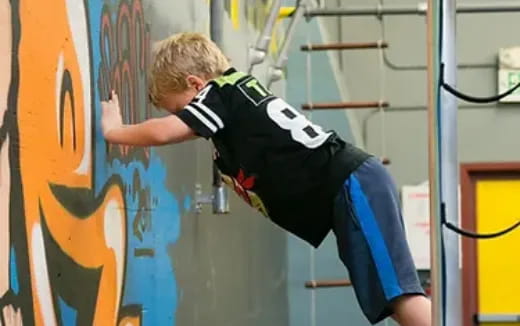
{"x":90,"y":234}
{"x":85,"y":228}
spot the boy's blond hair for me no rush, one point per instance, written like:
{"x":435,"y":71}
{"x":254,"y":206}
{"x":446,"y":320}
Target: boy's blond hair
{"x":179,"y":56}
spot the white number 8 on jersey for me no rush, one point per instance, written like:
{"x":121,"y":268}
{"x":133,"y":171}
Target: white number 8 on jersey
{"x":302,"y":130}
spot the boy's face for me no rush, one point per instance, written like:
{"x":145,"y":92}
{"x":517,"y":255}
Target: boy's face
{"x":176,"y":101}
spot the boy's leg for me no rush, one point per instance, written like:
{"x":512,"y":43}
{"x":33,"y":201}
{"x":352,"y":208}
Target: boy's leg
{"x":412,"y":310}
{"x":372,"y":245}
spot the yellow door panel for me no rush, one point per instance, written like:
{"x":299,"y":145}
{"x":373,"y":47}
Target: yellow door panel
{"x":498,"y":206}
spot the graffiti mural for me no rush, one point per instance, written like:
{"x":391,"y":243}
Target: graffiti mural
{"x":85,"y":228}
{"x":7,"y":311}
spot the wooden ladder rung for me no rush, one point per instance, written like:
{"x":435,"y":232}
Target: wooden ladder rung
{"x":344,"y":105}
{"x":344,"y":46}
{"x":327,"y":284}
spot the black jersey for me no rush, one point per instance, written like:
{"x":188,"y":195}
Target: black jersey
{"x":271,"y":155}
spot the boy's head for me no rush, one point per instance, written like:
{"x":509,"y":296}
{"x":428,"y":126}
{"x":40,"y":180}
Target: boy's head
{"x":182,"y":65}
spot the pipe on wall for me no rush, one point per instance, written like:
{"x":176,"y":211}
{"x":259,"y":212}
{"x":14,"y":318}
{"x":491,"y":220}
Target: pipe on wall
{"x":419,"y":9}
{"x":220,"y":199}
{"x":276,"y":70}
{"x":258,"y":53}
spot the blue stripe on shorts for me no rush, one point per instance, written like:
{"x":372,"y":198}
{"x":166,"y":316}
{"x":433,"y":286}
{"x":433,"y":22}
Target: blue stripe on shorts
{"x":375,"y":240}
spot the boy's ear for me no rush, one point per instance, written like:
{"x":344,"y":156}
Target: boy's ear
{"x":195,"y":82}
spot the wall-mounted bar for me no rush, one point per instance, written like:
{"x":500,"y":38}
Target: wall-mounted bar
{"x":286,"y":12}
{"x":419,"y":9}
{"x":344,"y":105}
{"x":498,"y":319}
{"x":327,"y":284}
{"x":276,"y":70}
{"x":219,"y":199}
{"x":344,"y":46}
{"x":258,"y":53}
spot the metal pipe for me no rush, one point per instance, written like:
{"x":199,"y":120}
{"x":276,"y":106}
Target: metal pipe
{"x":406,"y":67}
{"x":220,"y":195}
{"x":433,"y":60}
{"x":449,"y":169}
{"x":422,"y":107}
{"x":216,"y":22}
{"x":344,"y":46}
{"x":276,"y":70}
{"x":265,"y":39}
{"x":364,"y":125}
{"x":412,"y":108}
{"x":498,"y":319}
{"x":366,"y":11}
{"x":414,"y":67}
{"x":258,"y":53}
{"x":327,"y":284}
{"x":420,"y":9}
{"x":344,"y":105}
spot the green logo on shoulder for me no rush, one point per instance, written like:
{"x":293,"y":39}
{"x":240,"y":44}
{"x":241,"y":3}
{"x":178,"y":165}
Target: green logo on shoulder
{"x":230,"y":79}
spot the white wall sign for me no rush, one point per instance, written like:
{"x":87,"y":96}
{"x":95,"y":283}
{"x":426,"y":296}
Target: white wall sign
{"x":416,"y":214}
{"x":509,"y":73}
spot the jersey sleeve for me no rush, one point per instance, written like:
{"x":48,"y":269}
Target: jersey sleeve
{"x":206,"y":114}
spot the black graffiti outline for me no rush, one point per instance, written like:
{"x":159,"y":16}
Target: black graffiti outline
{"x":17,"y":231}
{"x":54,"y":253}
{"x":67,"y":89}
{"x":23,"y":299}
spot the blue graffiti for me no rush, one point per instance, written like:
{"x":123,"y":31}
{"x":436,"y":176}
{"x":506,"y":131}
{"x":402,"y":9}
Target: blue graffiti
{"x":69,"y":315}
{"x":149,"y":280}
{"x":13,"y":272}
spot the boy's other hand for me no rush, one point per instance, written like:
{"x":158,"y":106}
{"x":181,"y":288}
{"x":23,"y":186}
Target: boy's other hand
{"x":111,"y":115}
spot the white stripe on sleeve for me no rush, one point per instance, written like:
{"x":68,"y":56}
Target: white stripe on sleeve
{"x":210,"y":113}
{"x":202,"y":118}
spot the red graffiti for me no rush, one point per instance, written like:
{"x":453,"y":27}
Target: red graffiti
{"x":124,"y":57}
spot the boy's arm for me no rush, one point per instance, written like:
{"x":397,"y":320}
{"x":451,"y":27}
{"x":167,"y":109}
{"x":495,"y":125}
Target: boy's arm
{"x":153,"y":132}
{"x":207,"y":114}
{"x":159,"y":131}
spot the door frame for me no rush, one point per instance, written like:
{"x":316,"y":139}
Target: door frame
{"x":470,"y":173}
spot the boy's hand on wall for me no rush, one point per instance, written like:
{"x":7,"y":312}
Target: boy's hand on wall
{"x":11,"y":316}
{"x":111,"y":115}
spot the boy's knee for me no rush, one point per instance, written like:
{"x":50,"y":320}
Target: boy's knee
{"x":412,"y":309}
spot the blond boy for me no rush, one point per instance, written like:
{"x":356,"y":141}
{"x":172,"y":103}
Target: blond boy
{"x":306,"y":180}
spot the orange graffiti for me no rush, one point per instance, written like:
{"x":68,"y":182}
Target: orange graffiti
{"x":55,"y":127}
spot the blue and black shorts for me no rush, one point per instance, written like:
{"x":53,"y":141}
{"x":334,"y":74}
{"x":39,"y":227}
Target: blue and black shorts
{"x":371,"y":240}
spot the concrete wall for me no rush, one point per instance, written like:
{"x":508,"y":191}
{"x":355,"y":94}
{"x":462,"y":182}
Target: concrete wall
{"x":92,"y":234}
{"x":232,"y":267}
